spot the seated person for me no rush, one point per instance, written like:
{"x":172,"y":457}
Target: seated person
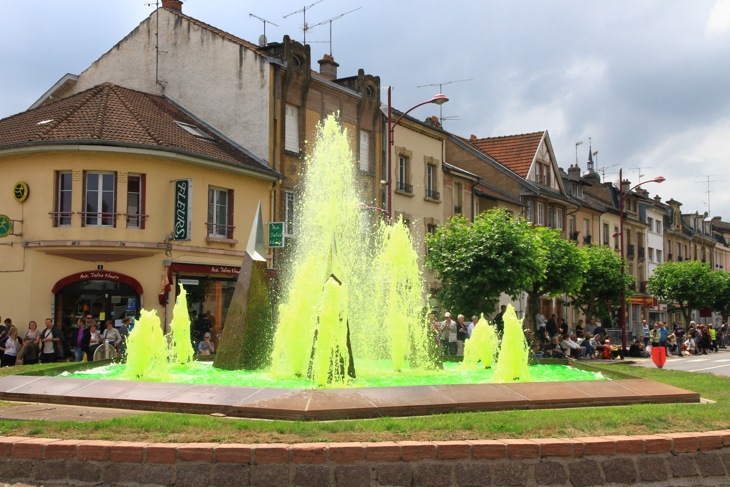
{"x":553,"y":349}
{"x":571,"y":348}
{"x":206,"y":347}
{"x":589,"y":345}
{"x":111,"y":335}
{"x":638,"y":350}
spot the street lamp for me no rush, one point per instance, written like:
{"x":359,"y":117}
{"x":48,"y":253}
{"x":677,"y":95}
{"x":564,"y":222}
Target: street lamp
{"x":437,"y":100}
{"x":621,"y":196}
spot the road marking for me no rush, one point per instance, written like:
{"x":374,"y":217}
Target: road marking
{"x":723,"y":360}
{"x":710,"y":368}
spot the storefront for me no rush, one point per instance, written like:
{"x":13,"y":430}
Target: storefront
{"x":210,"y":290}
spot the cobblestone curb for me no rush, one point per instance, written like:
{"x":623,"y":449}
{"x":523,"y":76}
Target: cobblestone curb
{"x":670,"y":459}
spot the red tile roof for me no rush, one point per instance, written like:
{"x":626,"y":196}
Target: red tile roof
{"x":114,"y":115}
{"x":515,"y":152}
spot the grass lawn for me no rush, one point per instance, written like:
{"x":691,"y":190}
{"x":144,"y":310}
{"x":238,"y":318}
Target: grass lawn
{"x":545,"y":423}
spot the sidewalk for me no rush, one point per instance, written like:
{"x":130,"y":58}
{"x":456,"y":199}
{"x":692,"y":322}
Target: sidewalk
{"x":58,"y":412}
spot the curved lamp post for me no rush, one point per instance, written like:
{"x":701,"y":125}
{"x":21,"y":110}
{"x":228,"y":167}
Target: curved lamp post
{"x":439,"y":99}
{"x":621,"y":197}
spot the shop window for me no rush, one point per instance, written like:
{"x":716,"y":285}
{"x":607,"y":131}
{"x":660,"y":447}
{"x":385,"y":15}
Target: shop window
{"x":100,"y":199}
{"x":62,"y":211}
{"x":136,"y":201}
{"x":220,"y":212}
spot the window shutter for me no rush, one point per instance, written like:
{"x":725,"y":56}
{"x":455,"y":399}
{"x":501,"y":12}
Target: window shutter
{"x":229,"y":215}
{"x":291,"y":137}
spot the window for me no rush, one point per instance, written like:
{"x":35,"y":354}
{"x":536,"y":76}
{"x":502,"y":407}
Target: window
{"x":220,"y":212}
{"x":289,"y":203}
{"x":100,"y":199}
{"x":196,"y":131}
{"x":650,"y":224}
{"x":431,"y":192}
{"x":458,"y":197}
{"x":605,"y":234}
{"x":530,"y":212}
{"x":135,"y":200}
{"x":541,"y":214}
{"x":659,"y":256}
{"x":579,"y":191}
{"x":586,"y":228}
{"x":651,"y":254}
{"x":571,"y":225}
{"x":364,"y":150}
{"x":616,"y":237}
{"x":550,"y":218}
{"x":659,"y":227}
{"x":559,"y":219}
{"x":62,"y":211}
{"x":291,"y":138}
{"x":404,"y":170}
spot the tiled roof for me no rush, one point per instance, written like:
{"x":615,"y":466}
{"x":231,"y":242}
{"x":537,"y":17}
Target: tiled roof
{"x":515,"y":152}
{"x":113,"y":115}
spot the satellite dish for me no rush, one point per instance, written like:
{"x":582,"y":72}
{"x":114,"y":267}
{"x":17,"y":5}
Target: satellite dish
{"x":262,"y":40}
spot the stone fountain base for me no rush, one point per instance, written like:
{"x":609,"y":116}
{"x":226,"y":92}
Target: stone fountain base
{"x":328,"y":404}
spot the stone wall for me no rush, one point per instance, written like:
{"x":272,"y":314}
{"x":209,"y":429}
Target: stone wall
{"x":679,"y":459}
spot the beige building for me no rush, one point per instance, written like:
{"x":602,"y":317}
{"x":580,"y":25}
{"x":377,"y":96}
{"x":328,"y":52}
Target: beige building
{"x":113,"y":192}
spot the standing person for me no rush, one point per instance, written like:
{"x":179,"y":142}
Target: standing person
{"x":562,"y":327}
{"x":81,"y":336}
{"x":654,"y":335}
{"x":49,"y":338}
{"x":552,"y":326}
{"x":679,"y":333}
{"x":10,"y":348}
{"x":33,"y":334}
{"x":448,"y":328}
{"x":580,"y":329}
{"x":93,"y":343}
{"x":645,"y":329}
{"x":663,"y":334}
{"x":124,"y":333}
{"x":540,"y":324}
{"x":472,"y":325}
{"x":498,"y":319}
{"x":591,"y":327}
{"x":461,"y":335}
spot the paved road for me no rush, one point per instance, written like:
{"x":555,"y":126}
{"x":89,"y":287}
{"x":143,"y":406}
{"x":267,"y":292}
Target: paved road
{"x":712,"y":363}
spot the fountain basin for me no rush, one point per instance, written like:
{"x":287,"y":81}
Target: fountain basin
{"x":342,"y":403}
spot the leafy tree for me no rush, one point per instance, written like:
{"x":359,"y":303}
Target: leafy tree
{"x":690,"y":284}
{"x":478,"y":261}
{"x":721,"y":303}
{"x":564,"y":271}
{"x":602,"y":283}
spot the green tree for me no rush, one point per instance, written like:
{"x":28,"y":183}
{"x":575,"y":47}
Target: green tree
{"x":602,"y":283}
{"x":721,"y":303}
{"x":564,"y":266}
{"x":478,"y":261}
{"x":690,"y":284}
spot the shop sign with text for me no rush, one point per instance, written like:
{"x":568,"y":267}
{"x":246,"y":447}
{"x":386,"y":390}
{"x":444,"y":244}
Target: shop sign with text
{"x":183,"y":198}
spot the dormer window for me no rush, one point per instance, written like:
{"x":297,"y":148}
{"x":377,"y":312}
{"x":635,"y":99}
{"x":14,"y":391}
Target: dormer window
{"x":193,"y":130}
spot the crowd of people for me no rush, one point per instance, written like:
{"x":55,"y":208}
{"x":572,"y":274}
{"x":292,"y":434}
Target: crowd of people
{"x":51,"y":344}
{"x":554,"y":339}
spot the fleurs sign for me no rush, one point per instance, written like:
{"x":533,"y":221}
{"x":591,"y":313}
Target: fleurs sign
{"x":183,"y":197}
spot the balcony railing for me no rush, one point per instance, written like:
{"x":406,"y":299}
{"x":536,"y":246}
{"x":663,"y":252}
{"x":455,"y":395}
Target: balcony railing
{"x":587,"y":239}
{"x":642,"y":253}
{"x":99,"y":219}
{"x":433,"y":195}
{"x":680,"y":258}
{"x":457,"y":209}
{"x":404,"y":187}
{"x":631,"y":251}
{"x":61,"y":218}
{"x":574,"y":236}
{"x":669,"y":257}
{"x":219,"y":230}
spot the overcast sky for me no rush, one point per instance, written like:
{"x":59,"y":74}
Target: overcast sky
{"x":648,"y":82}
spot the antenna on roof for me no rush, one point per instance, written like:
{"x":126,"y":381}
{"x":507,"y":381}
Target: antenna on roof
{"x":262,"y":38}
{"x":330,"y":22}
{"x":304,"y":11}
{"x":441,"y":90}
{"x":707,"y":178}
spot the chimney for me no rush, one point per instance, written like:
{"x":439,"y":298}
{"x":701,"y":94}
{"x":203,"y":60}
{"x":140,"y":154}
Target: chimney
{"x":574,"y":171}
{"x":473,"y":137}
{"x":625,"y":185}
{"x":174,"y":5}
{"x":658,"y":199}
{"x":328,"y":67}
